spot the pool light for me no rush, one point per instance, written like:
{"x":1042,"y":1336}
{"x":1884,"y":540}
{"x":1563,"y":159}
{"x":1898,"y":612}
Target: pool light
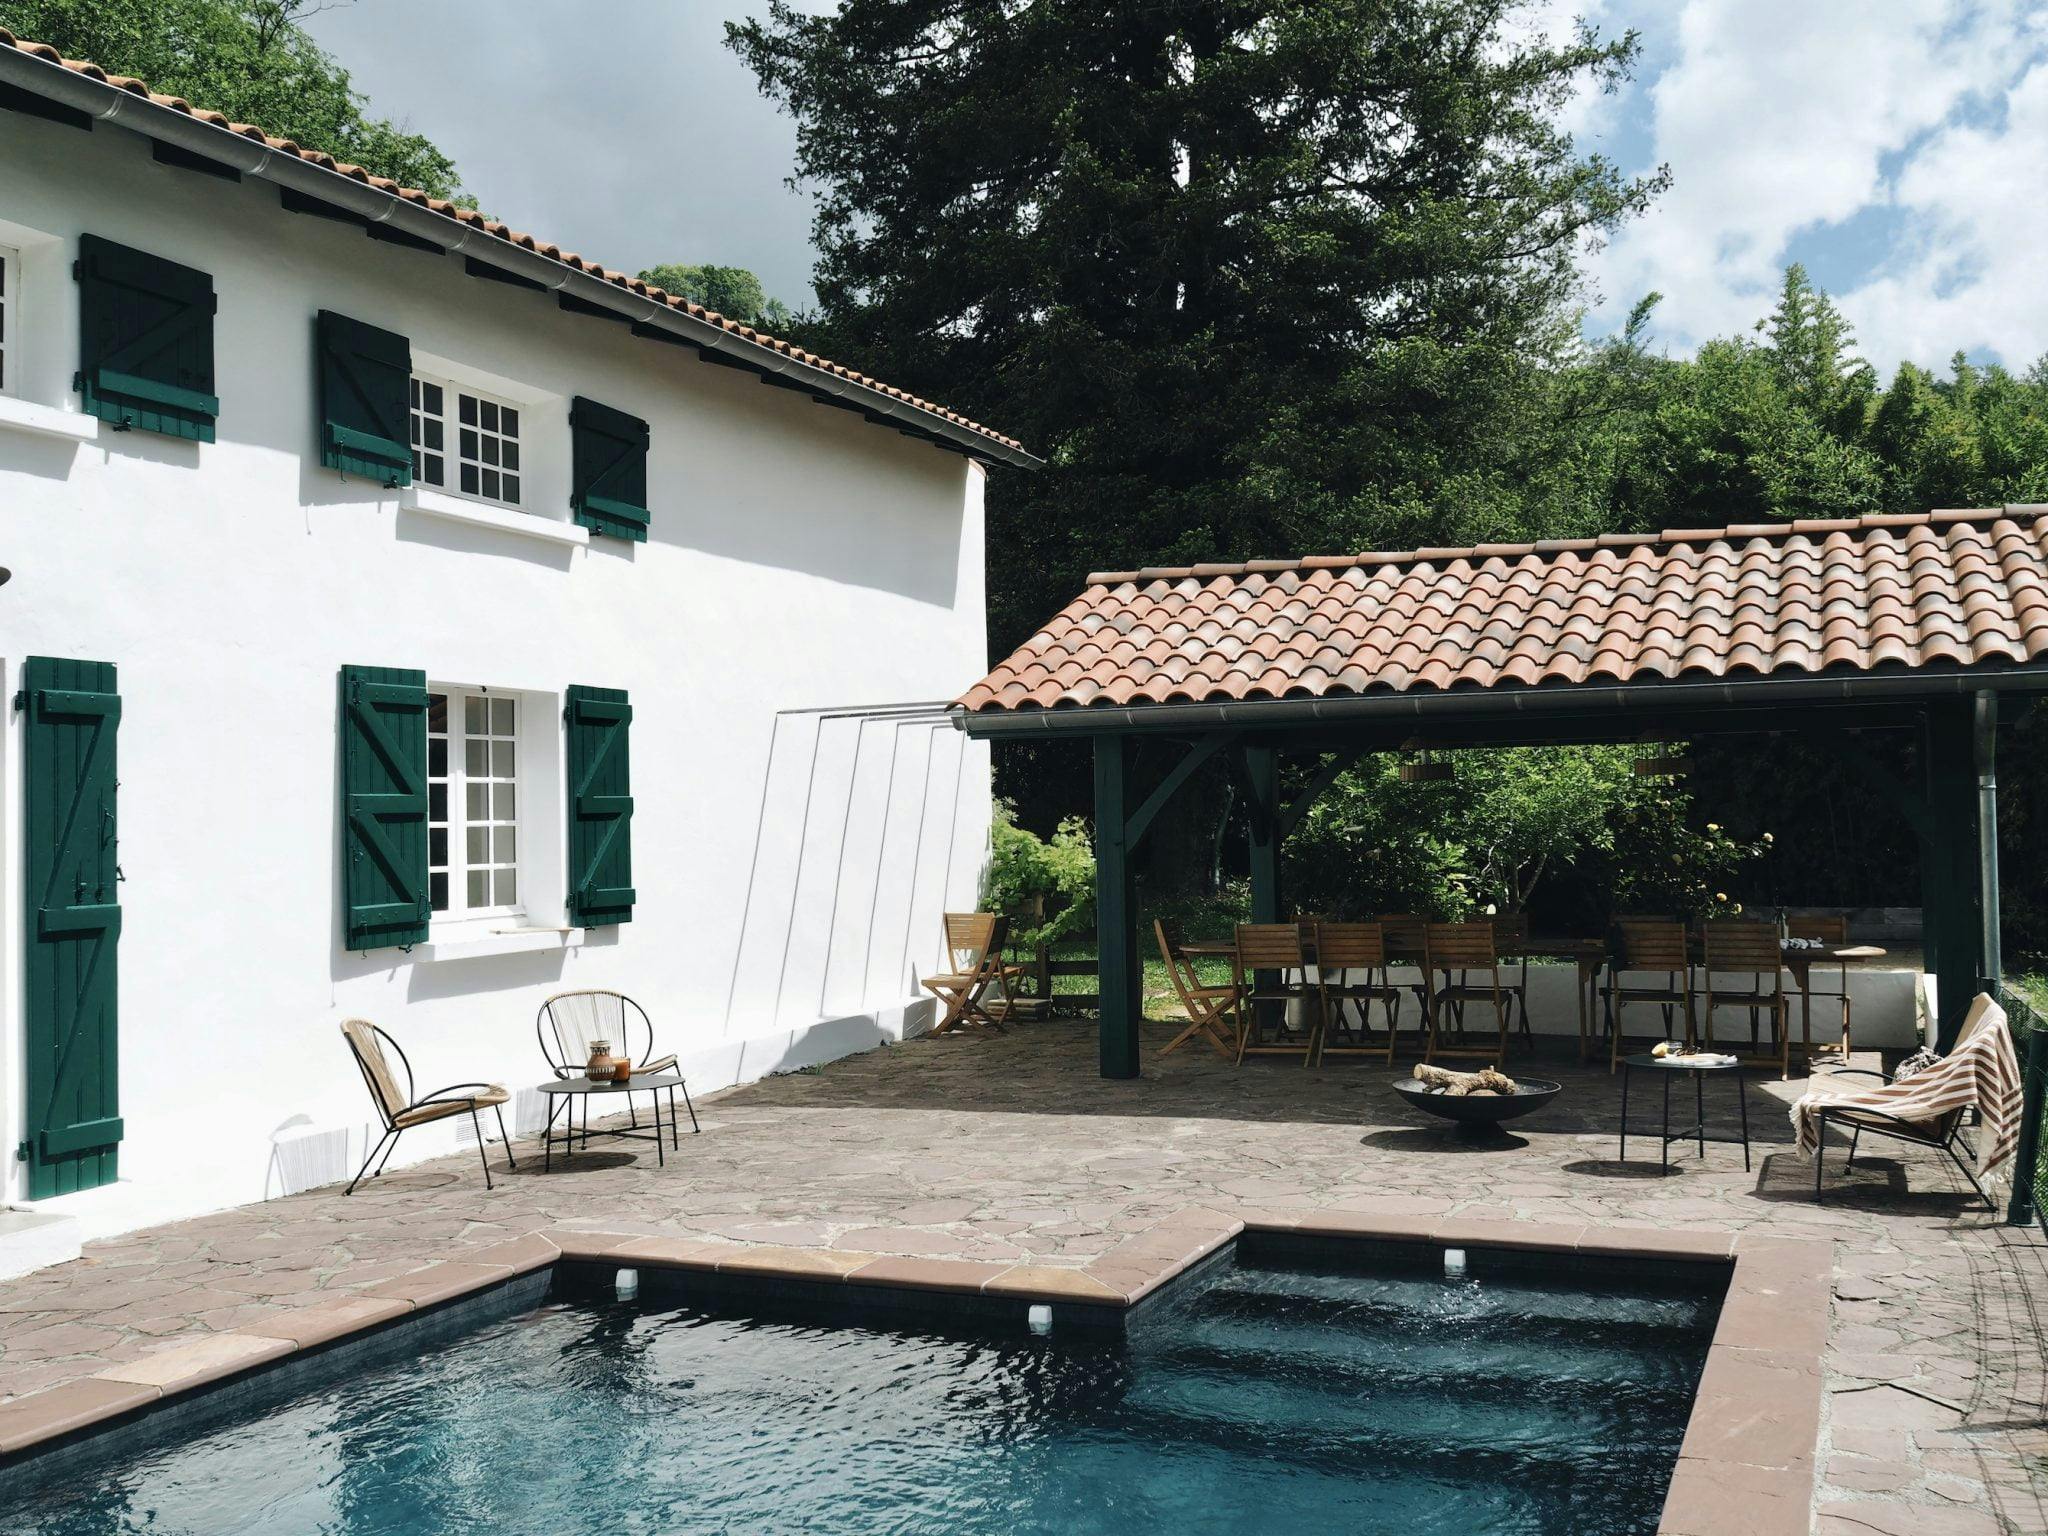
{"x":1040,"y":1318}
{"x":1454,"y":1263}
{"x":627,"y":1284}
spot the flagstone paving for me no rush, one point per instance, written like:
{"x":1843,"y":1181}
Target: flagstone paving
{"x":1009,"y":1149}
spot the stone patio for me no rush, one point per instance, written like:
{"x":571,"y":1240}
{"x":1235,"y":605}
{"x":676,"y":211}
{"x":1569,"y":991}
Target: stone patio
{"x":1011,"y":1150}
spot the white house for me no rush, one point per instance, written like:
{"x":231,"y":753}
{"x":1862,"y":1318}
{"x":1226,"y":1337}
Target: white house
{"x":462,"y":624}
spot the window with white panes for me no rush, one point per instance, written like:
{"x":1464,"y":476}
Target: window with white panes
{"x":10,"y":305}
{"x":472,"y":802}
{"x":465,"y":442}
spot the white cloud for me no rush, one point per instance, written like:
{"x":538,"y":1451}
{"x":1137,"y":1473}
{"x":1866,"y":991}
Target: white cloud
{"x":1783,"y":122}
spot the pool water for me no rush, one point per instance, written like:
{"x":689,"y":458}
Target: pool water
{"x":1252,"y":1399}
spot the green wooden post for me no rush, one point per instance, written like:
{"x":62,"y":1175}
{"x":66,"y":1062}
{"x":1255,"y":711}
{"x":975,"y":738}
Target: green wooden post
{"x":1262,"y":783}
{"x":1116,"y":948}
{"x":1984,"y":741}
{"x":1262,"y":778}
{"x":1955,"y":909}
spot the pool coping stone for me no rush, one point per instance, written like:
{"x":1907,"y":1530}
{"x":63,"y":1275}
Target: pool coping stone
{"x":1746,"y":1466}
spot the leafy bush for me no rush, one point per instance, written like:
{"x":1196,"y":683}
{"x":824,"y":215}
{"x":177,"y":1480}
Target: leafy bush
{"x":1487,"y":837}
{"x":1051,"y":881}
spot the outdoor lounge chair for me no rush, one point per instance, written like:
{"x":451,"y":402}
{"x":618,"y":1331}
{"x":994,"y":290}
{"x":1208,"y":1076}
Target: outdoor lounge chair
{"x":974,"y":950}
{"x":1980,"y":1071}
{"x":401,"y":1108}
{"x":1211,"y":1011}
{"x":570,"y":1023}
{"x":1342,"y":948}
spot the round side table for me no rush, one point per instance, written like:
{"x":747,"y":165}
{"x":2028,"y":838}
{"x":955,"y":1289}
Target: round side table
{"x":1669,"y":1068}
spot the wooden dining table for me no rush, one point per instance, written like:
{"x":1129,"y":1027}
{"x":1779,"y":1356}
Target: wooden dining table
{"x":1591,"y":956}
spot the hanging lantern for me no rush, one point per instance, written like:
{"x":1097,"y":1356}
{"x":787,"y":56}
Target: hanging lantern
{"x":1422,"y":768}
{"x":1660,"y":762}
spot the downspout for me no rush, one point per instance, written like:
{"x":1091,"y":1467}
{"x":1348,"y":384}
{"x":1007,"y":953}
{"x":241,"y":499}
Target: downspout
{"x":1985,"y":741}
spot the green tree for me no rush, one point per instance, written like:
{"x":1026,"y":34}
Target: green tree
{"x":1507,"y":821}
{"x":249,"y":59}
{"x":1812,"y":352}
{"x":1255,"y":275}
{"x":733,"y":292}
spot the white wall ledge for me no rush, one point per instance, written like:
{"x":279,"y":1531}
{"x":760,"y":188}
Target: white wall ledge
{"x":457,"y":509}
{"x":47,"y":421}
{"x":502,"y":941}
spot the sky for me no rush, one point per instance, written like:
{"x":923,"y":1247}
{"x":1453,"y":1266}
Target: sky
{"x":1898,"y":148}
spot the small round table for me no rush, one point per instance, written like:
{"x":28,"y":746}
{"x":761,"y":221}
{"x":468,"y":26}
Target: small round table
{"x":1700,"y":1071}
{"x":563,"y":1092}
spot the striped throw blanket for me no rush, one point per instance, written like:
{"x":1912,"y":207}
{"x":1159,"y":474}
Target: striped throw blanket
{"x":1982,"y":1070}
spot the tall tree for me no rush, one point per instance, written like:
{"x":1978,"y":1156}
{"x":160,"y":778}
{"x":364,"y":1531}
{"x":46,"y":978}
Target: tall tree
{"x":250,"y":59}
{"x":1257,"y":276}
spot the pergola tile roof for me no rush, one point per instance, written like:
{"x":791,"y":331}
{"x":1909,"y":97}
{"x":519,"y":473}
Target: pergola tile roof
{"x":1890,"y":592}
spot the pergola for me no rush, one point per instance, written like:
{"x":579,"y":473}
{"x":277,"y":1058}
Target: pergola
{"x":1825,"y":629}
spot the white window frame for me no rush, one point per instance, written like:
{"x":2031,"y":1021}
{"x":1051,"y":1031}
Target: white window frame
{"x":10,"y":328}
{"x":457,"y":823}
{"x":488,"y":405}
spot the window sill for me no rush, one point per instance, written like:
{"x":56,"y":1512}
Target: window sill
{"x":457,"y":509}
{"x":47,"y":421}
{"x":503,"y":941}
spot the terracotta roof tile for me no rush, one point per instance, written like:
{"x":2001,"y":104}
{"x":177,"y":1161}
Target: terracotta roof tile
{"x":471,"y":217}
{"x":1892,"y":591}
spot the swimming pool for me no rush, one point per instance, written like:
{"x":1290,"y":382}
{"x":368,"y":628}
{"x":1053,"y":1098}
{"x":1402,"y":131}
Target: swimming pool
{"x":1278,"y":1394}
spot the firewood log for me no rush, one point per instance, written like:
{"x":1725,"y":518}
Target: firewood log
{"x":1460,"y":1084}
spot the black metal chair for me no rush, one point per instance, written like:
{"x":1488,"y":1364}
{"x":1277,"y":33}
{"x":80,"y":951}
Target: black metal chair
{"x":570,"y":1023}
{"x":1944,"y":1134}
{"x":402,"y":1108}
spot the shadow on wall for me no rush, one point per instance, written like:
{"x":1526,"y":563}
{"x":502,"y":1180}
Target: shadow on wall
{"x":792,"y":1050}
{"x":303,"y":1158}
{"x":872,"y":824}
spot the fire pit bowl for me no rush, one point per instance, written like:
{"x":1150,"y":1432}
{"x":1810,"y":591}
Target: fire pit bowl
{"x":1479,"y":1114}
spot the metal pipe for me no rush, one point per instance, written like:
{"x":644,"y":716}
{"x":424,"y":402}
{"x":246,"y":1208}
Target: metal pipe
{"x":1985,"y":741}
{"x":1635,"y":698}
{"x":109,"y":104}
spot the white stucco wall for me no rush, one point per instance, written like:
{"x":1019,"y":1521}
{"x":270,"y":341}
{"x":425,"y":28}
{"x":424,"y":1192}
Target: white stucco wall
{"x":801,"y":562}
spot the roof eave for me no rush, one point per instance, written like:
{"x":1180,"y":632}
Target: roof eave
{"x":107,"y":103}
{"x":1616,"y":698}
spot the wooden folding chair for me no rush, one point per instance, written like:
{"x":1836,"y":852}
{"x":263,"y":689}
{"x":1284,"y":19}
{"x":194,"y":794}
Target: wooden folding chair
{"x":1211,"y":1011}
{"x":1510,"y":942}
{"x":1648,"y":944}
{"x":1406,"y":937}
{"x":1831,"y":929}
{"x":1733,"y":946}
{"x":1342,"y":948}
{"x":974,"y":948}
{"x":1273,"y":948}
{"x":1457,"y":950}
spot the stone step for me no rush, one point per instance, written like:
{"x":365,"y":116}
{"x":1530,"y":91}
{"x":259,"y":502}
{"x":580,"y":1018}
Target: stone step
{"x":31,"y":1240}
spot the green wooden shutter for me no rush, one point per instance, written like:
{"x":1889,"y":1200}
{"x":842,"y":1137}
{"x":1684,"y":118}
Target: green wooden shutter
{"x":73,"y":916}
{"x":384,"y":805}
{"x":365,"y":419}
{"x":608,"y":475}
{"x":145,"y":352}
{"x":600,"y":807}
